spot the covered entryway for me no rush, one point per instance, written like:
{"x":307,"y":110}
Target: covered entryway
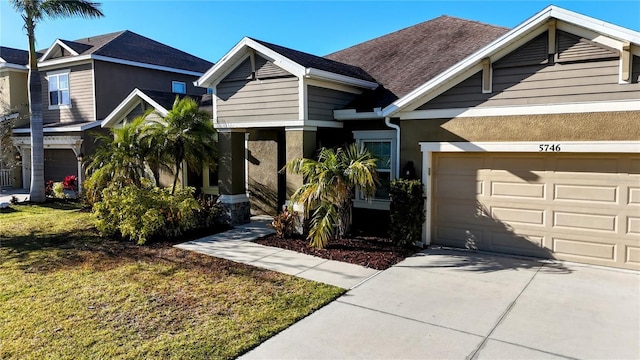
{"x":575,"y":206}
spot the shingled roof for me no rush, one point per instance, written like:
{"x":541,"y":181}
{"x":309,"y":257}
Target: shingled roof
{"x":14,"y":56}
{"x":317,"y":62}
{"x":127,"y":45}
{"x":403,"y":60}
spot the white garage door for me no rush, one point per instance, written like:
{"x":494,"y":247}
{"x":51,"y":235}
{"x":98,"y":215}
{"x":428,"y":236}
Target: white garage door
{"x":577,"y":207}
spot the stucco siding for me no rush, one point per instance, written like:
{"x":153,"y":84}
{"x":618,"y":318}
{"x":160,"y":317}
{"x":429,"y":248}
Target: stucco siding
{"x":115,"y":81}
{"x":263,"y":171}
{"x":258,"y":100}
{"x":80,"y":92}
{"x":322,"y":102}
{"x":613,"y":126}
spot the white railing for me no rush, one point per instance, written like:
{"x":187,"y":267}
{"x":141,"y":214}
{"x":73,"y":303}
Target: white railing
{"x":5,"y":178}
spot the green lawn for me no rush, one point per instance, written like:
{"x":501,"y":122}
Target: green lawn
{"x":66,"y":293}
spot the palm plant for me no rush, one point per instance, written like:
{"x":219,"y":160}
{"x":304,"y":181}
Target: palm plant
{"x":328,"y":189}
{"x":32,"y":12}
{"x":120,"y":158}
{"x":187,"y":135}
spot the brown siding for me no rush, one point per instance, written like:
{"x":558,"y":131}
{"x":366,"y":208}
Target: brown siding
{"x":322,"y":102}
{"x":258,"y":100}
{"x":115,"y":81}
{"x":81,"y":92}
{"x":613,"y":126}
{"x":59,"y":163}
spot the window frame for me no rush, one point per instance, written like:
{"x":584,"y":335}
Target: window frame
{"x":56,"y":75}
{"x":389,"y":136}
{"x":181,"y":83}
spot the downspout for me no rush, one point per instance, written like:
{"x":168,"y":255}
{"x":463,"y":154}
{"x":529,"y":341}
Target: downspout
{"x":387,"y":121}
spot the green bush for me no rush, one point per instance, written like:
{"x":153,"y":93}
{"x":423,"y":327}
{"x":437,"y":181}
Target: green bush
{"x":138,"y":214}
{"x":58,"y":190}
{"x":407,"y":211}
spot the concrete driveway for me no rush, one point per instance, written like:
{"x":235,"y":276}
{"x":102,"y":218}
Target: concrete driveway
{"x":448,"y":304}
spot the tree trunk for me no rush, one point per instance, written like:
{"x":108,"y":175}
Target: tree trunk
{"x":36,"y":192}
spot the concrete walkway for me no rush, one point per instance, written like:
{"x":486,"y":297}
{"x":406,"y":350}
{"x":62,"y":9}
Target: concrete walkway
{"x":447,"y":304}
{"x":6,"y":194}
{"x":237,"y":245}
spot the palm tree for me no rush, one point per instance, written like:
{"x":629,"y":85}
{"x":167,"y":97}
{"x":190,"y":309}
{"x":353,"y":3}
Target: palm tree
{"x":34,"y":11}
{"x":120,"y":158}
{"x":187,"y":135}
{"x":329,"y":188}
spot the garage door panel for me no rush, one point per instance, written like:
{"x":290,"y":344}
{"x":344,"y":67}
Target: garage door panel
{"x":517,"y":189}
{"x":589,"y":193}
{"x":578,"y":207}
{"x":578,"y":221}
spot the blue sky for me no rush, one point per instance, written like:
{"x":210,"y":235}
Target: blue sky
{"x":208,"y":28}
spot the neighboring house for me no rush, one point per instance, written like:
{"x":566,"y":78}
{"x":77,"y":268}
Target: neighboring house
{"x":14,"y":106}
{"x":527,"y":140}
{"x":137,"y":103}
{"x":84,"y":80}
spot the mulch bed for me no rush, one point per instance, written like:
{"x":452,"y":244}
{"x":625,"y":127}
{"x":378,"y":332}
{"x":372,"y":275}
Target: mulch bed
{"x":370,"y":251}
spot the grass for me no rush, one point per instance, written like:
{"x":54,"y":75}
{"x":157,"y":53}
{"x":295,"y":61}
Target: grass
{"x":66,"y":293}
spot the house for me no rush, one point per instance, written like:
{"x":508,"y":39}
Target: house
{"x":84,"y":80}
{"x":527,"y":140}
{"x":137,"y":103}
{"x":14,"y":105}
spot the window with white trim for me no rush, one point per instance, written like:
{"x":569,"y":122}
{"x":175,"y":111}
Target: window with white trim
{"x":382,"y":145}
{"x":59,"y":95}
{"x":178,"y":87}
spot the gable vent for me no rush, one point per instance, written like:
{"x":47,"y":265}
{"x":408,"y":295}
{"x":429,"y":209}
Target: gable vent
{"x":574,"y":48}
{"x":532,"y":53}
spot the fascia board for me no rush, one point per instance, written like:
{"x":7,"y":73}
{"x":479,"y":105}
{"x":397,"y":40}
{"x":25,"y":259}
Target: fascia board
{"x":84,"y":58}
{"x":125,"y":104}
{"x":342,"y":79}
{"x":61,"y":44}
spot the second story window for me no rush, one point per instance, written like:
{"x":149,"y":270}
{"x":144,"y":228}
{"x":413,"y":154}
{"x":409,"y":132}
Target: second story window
{"x":178,"y":87}
{"x":59,"y":90}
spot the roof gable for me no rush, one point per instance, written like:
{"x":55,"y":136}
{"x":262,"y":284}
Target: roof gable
{"x":129,"y":47}
{"x":294,"y":62}
{"x":504,"y":45}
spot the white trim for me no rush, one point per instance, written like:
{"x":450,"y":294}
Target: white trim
{"x":301,"y":128}
{"x":351,"y":114}
{"x":51,"y":142}
{"x":71,"y":61}
{"x":93,"y":87}
{"x":124,"y":106}
{"x":542,"y":109}
{"x":70,"y":128}
{"x":529,"y":25}
{"x":341,"y":79}
{"x":216,"y":72}
{"x":303,"y":106}
{"x":59,"y":43}
{"x":382,"y":136}
{"x":534,"y":146}
{"x":57,"y":73}
{"x":428,"y":148}
{"x":277,"y":123}
{"x":233,"y":199}
{"x":246,"y":163}
{"x":6,"y":65}
{"x":333,"y":86}
{"x":54,"y":62}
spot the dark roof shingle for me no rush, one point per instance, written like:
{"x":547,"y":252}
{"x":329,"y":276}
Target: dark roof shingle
{"x":403,"y":60}
{"x":127,"y":45}
{"x":317,"y":62}
{"x":14,"y":56}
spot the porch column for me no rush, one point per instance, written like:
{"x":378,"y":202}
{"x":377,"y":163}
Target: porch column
{"x":300,"y":142}
{"x":231,"y":176}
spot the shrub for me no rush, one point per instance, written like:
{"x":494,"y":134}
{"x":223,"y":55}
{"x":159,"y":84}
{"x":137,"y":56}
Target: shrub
{"x":284,"y":223}
{"x":210,"y":212}
{"x":138,"y":214}
{"x":48,"y":188}
{"x":407,"y":211}
{"x":70,"y":182}
{"x":58,"y":190}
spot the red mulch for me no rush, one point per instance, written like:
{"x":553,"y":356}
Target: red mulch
{"x":373,"y":252}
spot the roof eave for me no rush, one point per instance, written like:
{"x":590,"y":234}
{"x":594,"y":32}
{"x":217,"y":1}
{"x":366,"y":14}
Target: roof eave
{"x":338,"y":78}
{"x":528,"y":25}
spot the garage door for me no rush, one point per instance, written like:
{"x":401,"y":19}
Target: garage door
{"x":577,"y":207}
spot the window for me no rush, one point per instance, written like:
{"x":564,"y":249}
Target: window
{"x":178,"y":87}
{"x":382,"y":145}
{"x":59,"y":90}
